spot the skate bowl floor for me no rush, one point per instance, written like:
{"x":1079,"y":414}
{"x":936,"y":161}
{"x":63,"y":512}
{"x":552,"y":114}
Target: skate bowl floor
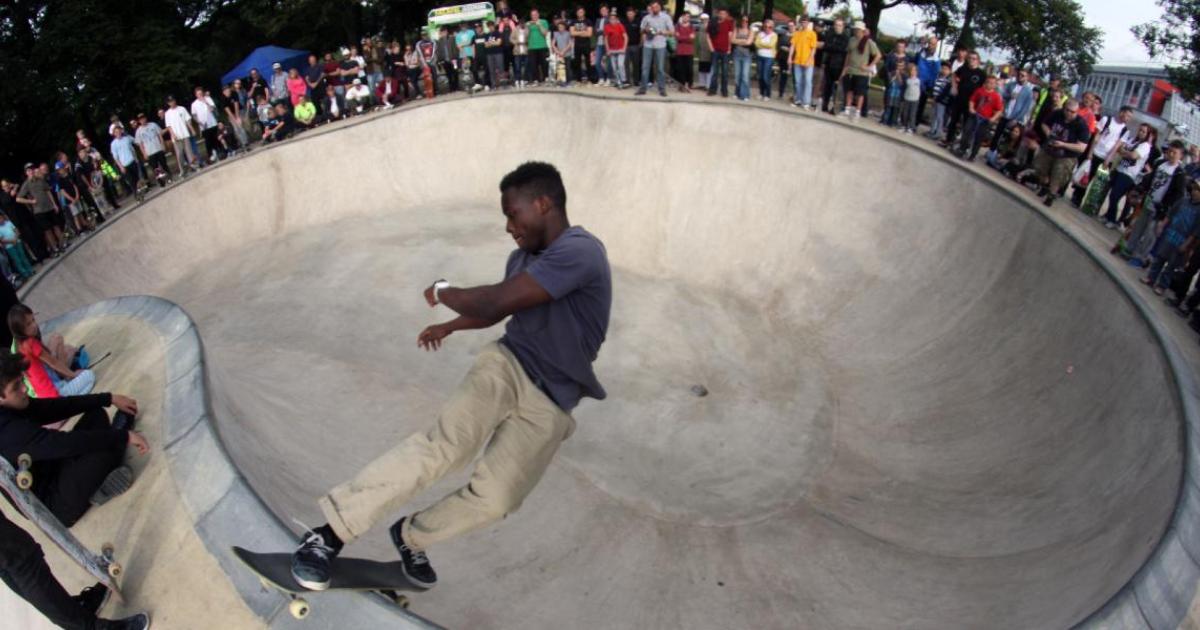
{"x":928,"y":406}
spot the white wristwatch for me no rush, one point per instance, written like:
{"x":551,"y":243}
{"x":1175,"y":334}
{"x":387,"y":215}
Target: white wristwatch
{"x":437,"y":287}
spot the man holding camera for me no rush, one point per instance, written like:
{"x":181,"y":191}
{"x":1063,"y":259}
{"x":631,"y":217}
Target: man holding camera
{"x":656,"y":28}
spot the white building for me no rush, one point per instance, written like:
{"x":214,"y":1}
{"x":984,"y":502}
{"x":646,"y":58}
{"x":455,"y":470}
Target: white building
{"x":1150,"y":94}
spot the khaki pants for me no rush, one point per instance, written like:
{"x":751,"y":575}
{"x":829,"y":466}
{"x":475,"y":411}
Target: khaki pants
{"x":1056,"y":171}
{"x":497,"y":405}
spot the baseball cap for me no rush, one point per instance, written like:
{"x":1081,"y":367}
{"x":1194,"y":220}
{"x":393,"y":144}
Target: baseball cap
{"x":704,"y":16}
{"x":358,"y":82}
{"x":28,"y":165}
{"x":858,"y":24}
{"x":277,"y":65}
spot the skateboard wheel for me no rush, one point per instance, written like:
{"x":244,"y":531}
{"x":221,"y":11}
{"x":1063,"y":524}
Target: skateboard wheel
{"x":24,"y":480}
{"x":24,"y":460}
{"x":402,"y":601}
{"x":299,"y":608}
{"x":115,"y":570}
{"x":107,"y":550}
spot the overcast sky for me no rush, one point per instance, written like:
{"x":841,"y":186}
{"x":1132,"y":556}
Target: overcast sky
{"x":1114,"y":17}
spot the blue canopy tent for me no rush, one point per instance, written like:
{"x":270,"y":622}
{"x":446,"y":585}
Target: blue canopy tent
{"x":263,"y":58}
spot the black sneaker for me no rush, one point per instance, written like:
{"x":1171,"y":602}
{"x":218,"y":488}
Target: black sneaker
{"x":416,"y":563}
{"x":640,"y":92}
{"x":140,"y":621}
{"x":122,"y":421}
{"x":115,"y":484}
{"x":92,"y":598}
{"x":311,"y":562}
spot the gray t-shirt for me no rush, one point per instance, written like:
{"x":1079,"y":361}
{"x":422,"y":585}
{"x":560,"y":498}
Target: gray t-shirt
{"x":149,"y":137}
{"x":662,"y":25}
{"x":39,"y":189}
{"x":562,"y":39}
{"x":557,"y":342}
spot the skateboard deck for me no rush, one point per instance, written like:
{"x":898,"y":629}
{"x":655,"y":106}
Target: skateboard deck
{"x":274,"y":570}
{"x":17,"y":484}
{"x":1093,"y":195}
{"x":427,"y":81}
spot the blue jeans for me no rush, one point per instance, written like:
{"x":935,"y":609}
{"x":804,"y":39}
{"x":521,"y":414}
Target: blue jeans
{"x":519,"y":67}
{"x":764,"y":75}
{"x":616,"y":68}
{"x":803,"y":77}
{"x":741,"y":66}
{"x":601,"y":66}
{"x":1167,"y":258}
{"x":720,"y":67}
{"x":1121,"y":183}
{"x":659,"y":57}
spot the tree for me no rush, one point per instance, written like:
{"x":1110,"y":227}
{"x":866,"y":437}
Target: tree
{"x":873,"y":9}
{"x":1176,"y":36}
{"x":1045,"y":36}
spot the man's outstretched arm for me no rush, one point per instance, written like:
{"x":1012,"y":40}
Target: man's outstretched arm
{"x":494,"y":302}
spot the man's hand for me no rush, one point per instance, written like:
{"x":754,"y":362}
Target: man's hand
{"x":431,"y":338}
{"x":125,"y":403}
{"x":139,"y":443}
{"x":429,"y":296}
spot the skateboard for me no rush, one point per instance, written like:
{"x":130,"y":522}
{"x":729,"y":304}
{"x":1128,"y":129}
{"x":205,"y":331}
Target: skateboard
{"x":1093,"y":195}
{"x":17,"y":485}
{"x":274,"y":570}
{"x":466,"y":78}
{"x":427,"y":81}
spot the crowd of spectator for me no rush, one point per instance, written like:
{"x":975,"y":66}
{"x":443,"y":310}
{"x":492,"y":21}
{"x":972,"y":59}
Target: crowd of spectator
{"x":1025,"y":126}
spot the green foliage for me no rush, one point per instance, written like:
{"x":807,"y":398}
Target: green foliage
{"x":1046,"y":36}
{"x":1176,"y":36}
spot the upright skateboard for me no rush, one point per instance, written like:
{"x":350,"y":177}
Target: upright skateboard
{"x":427,"y":81}
{"x":17,"y":484}
{"x":274,"y":570}
{"x":1093,"y":195}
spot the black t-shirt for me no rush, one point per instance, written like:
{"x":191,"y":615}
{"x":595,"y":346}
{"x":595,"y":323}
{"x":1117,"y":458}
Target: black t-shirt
{"x":634,"y":30}
{"x":495,"y":41}
{"x":315,"y":75}
{"x":581,"y":43}
{"x":256,"y":89}
{"x":968,"y":81}
{"x":220,"y":103}
{"x":834,"y":50}
{"x":1068,"y":132}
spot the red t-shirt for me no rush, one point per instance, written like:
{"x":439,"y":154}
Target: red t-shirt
{"x":987,"y":102}
{"x":1088,"y":117}
{"x":614,"y":36}
{"x":331,"y":70}
{"x":37,"y":380}
{"x":721,"y":42}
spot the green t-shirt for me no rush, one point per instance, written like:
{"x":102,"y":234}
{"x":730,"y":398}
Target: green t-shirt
{"x":857,"y":62}
{"x":305,"y":112}
{"x":537,"y":40}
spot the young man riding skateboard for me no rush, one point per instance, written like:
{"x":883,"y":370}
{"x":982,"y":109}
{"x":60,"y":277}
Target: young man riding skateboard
{"x":516,"y":399}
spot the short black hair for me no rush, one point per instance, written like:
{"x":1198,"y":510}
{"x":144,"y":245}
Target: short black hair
{"x":1126,"y":108}
{"x":1177,"y":144}
{"x":12,"y":368}
{"x":537,"y":179}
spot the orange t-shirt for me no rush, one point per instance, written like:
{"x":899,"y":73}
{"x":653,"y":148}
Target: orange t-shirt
{"x":804,"y":48}
{"x":37,"y":379}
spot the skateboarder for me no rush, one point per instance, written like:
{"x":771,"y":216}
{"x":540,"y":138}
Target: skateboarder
{"x":74,"y":469}
{"x":23,"y":568}
{"x":516,"y":400}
